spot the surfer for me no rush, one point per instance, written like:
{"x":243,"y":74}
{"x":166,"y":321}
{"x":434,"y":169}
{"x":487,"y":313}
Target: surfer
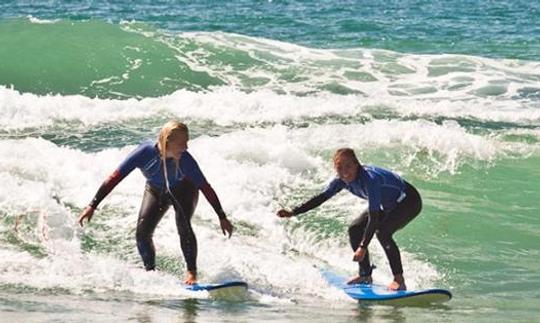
{"x":172,"y":177}
{"x":392,"y":204}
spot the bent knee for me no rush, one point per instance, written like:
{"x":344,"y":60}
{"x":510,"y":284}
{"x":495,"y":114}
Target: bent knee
{"x":355,"y":229}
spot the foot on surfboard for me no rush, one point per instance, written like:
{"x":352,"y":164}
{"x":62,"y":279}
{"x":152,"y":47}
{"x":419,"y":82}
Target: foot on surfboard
{"x":365,"y":280}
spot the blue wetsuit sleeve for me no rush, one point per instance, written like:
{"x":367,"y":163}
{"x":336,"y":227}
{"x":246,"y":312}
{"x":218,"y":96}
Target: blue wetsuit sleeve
{"x":193,"y":172}
{"x":191,"y":169}
{"x":134,"y":159}
{"x":374,"y":194}
{"x":335,"y":186}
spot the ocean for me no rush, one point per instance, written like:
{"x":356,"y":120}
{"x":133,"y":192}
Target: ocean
{"x":447,"y":94}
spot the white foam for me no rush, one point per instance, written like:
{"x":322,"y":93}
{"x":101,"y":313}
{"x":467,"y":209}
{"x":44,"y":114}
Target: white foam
{"x":25,"y":110}
{"x":379,"y":73}
{"x":247,"y":188}
{"x":253,"y":165}
{"x":452,"y":86}
{"x":278,"y":149}
{"x":35,"y":20}
{"x":227,"y":106}
{"x":79,"y":273}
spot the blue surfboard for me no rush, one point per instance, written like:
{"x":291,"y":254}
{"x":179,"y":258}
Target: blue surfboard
{"x":228,"y":290}
{"x":381,"y":294}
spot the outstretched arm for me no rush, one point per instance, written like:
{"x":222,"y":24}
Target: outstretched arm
{"x":334,"y":187}
{"x":308,"y":205}
{"x":126,"y":167}
{"x":102,"y":192}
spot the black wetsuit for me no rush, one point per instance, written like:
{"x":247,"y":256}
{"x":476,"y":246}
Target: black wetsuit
{"x":154,"y":205}
{"x":389,"y":223}
{"x":184,"y":182}
{"x":393,"y":203}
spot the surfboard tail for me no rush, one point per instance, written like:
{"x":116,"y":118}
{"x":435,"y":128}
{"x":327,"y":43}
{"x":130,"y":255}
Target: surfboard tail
{"x":229,"y":291}
{"x":236,"y":293}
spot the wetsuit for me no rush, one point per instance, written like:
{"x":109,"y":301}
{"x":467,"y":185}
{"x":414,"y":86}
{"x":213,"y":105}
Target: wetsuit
{"x":392,"y":204}
{"x":184,"y":182}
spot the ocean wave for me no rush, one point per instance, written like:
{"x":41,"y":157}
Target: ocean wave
{"x":135,"y":60}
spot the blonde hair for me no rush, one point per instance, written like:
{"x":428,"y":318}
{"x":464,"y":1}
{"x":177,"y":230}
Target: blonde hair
{"x":169,"y":132}
{"x":347,"y":153}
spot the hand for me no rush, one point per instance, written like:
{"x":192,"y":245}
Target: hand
{"x":226,"y":227}
{"x":359,"y":254}
{"x":284,"y":213}
{"x":86,"y":214}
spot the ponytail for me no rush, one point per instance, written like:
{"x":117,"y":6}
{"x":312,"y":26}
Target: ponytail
{"x":167,"y":133}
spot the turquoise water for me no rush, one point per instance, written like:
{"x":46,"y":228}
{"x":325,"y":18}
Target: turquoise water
{"x":485,"y":28}
{"x":447,"y":94}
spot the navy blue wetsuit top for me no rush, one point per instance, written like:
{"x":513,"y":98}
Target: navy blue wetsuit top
{"x":148,"y":159}
{"x":381,"y":187}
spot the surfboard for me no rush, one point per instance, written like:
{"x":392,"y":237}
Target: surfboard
{"x":227,"y":290}
{"x":375,"y":293}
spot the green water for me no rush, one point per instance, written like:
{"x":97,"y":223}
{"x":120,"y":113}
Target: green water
{"x":91,"y":58}
{"x":444,"y":93}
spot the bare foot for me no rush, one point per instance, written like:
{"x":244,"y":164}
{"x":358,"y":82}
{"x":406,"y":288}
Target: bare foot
{"x":397,"y":286}
{"x":366,"y":280}
{"x":191,"y":278}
